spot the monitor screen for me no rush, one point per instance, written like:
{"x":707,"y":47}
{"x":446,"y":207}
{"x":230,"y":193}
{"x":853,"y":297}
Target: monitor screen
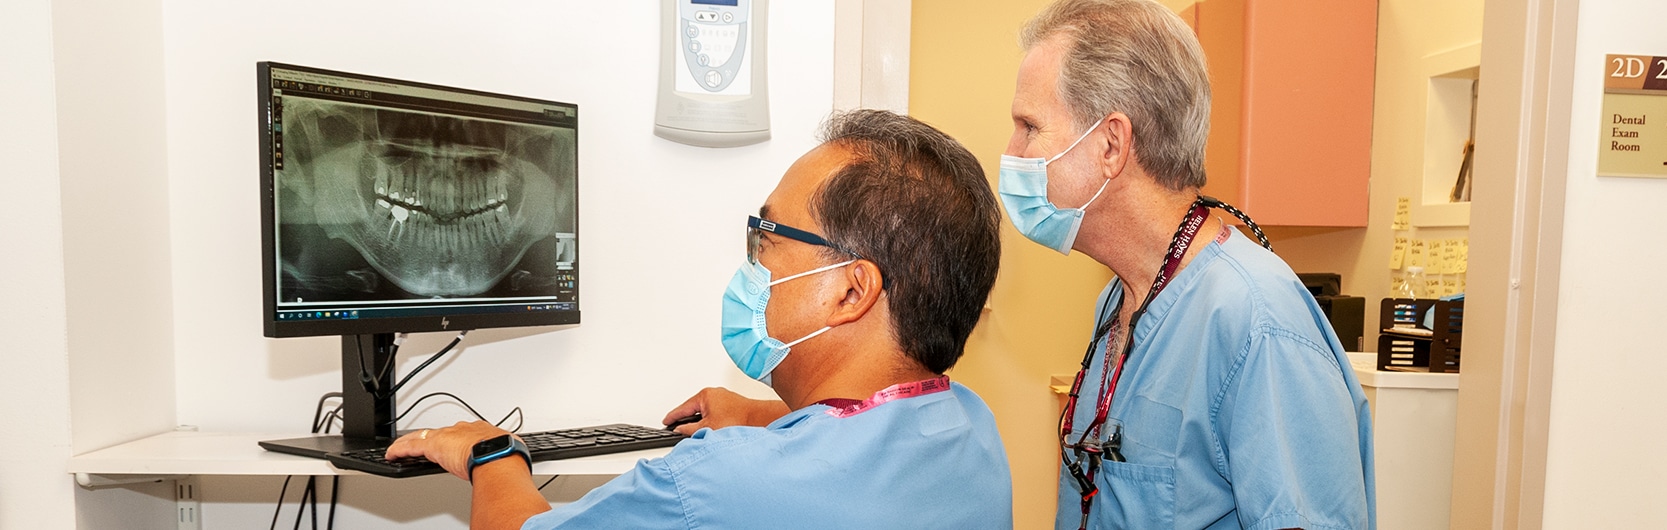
{"x":396,"y":206}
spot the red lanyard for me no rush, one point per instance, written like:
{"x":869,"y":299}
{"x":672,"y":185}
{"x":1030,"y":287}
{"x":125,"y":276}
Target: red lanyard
{"x":1109,"y":376}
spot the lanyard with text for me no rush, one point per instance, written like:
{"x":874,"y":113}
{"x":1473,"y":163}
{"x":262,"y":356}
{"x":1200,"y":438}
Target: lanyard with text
{"x":891,"y":393}
{"x":1171,"y":261}
{"x":1113,"y":371}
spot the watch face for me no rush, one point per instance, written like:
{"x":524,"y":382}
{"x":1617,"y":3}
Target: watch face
{"x":491,"y":445}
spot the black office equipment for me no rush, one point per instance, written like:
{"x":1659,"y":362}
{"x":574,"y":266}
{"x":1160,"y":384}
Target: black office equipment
{"x":544,"y":445}
{"x":1347,"y":314}
{"x":392,"y":206}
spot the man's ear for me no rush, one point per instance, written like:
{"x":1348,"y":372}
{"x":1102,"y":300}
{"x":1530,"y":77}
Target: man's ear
{"x":1119,"y":143}
{"x":863,"y":288}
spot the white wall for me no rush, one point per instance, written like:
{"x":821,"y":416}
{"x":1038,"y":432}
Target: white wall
{"x":115,"y":218}
{"x":661,"y":223}
{"x":1604,"y":464}
{"x":90,"y":362}
{"x":34,"y":370}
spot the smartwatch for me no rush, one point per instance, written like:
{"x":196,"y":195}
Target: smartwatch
{"x":498,"y":447}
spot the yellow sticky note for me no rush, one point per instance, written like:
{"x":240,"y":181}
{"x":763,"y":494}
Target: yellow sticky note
{"x":1399,"y":254}
{"x":1450,"y":257}
{"x":1449,"y":286}
{"x":1403,"y":213}
{"x":1432,"y":287}
{"x":1436,"y":257}
{"x":1464,"y":257}
{"x":1415,"y":253}
{"x":1463,"y":284}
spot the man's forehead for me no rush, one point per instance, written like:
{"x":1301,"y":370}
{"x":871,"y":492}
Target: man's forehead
{"x":790,"y":201}
{"x":1037,"y":91}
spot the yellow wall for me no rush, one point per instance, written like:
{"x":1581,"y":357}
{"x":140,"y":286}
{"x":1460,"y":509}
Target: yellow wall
{"x":963,"y":64}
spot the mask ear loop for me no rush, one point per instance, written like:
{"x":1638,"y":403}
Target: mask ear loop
{"x":812,"y":271}
{"x":807,"y":273}
{"x":808,"y":337}
{"x":1073,"y":144}
{"x":1096,"y":195}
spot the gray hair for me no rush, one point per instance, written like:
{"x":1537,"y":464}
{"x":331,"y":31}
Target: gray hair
{"x":1139,"y":58}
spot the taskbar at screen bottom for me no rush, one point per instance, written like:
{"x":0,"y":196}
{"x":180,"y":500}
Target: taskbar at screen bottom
{"x":296,"y":323}
{"x":340,"y":313}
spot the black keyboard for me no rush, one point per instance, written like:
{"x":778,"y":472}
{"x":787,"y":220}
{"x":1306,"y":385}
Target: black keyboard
{"x":544,"y":445}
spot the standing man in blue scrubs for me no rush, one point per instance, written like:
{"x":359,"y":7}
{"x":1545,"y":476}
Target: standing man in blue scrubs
{"x":1213,"y":393}
{"x":866,"y":270}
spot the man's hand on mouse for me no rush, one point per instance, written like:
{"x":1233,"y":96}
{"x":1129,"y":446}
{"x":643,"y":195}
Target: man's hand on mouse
{"x":719,"y":408}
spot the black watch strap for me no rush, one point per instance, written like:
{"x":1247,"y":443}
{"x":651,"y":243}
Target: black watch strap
{"x":492,"y":449}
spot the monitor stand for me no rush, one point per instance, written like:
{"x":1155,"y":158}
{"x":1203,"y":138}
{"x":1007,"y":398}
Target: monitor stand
{"x":367,"y":420}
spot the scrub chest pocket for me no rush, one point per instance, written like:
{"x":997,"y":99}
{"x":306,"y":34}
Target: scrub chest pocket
{"x":1139,"y":493}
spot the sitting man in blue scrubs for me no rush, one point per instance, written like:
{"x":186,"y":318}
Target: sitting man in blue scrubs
{"x":866,"y":270}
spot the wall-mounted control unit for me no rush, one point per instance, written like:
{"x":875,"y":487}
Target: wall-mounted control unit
{"x":713,"y":84}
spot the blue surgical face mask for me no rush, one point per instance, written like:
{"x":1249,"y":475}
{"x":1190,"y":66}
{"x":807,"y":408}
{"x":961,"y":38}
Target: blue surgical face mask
{"x":745,"y":336}
{"x":1024,"y":194}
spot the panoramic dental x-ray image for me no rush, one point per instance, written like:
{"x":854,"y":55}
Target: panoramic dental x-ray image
{"x":380,"y":204}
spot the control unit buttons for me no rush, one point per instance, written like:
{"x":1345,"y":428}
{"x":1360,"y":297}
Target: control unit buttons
{"x":709,"y":16}
{"x":703,"y":60}
{"x":694,"y":46}
{"x":691,"y":31}
{"x":713,"y":79}
{"x":729,"y":17}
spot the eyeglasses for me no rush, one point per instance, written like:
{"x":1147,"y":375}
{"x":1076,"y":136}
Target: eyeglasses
{"x":756,"y":227}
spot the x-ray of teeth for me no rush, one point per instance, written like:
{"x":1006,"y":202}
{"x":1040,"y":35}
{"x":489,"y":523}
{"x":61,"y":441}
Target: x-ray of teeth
{"x":437,"y":206}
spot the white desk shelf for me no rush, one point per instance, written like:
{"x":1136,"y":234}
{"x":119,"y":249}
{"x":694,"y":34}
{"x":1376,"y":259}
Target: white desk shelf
{"x":182,"y":453}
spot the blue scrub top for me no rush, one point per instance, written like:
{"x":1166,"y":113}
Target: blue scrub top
{"x":1239,"y":409}
{"x":931,"y":461}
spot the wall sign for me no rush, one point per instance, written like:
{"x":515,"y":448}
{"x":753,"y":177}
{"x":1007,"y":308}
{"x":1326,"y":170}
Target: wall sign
{"x":1632,"y":140}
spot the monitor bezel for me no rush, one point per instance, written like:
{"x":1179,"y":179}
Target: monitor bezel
{"x":276,"y":328}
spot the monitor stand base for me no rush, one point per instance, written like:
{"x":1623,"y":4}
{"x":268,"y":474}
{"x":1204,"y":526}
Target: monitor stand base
{"x":318,"y":446}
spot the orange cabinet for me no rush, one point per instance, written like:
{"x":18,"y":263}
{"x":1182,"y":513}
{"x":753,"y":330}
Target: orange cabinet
{"x":1291,"y":128}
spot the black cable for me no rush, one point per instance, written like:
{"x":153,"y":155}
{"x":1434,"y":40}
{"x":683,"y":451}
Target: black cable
{"x":520,"y":421}
{"x":318,"y":412}
{"x":302,"y":506}
{"x":330,"y":420}
{"x":335,"y":482}
{"x":322,"y":421}
{"x":393,"y":355}
{"x":547,"y":482}
{"x":314,"y":483}
{"x":365,"y":379}
{"x":280,"y":508}
{"x":431,"y":359}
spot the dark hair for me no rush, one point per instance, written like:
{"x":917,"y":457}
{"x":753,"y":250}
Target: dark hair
{"x":916,"y":203}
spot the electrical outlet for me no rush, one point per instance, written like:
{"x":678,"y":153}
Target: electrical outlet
{"x":188,"y":507}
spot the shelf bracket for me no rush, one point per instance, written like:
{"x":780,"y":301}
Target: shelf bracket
{"x":95,"y":481}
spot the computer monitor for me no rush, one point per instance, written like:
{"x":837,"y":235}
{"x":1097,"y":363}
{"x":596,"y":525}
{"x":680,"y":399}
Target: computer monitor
{"x":393,"y":206}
